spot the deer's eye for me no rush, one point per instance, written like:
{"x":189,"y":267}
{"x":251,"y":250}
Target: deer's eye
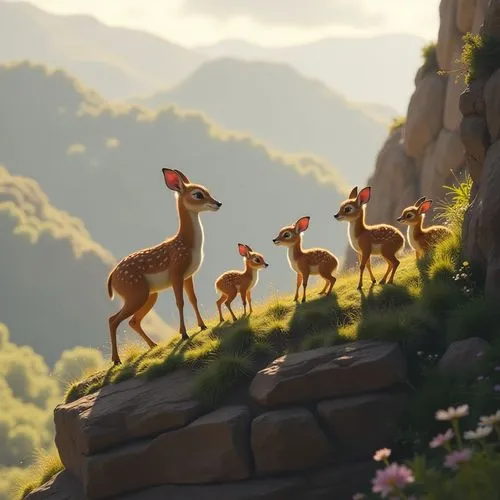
{"x":256,"y":260}
{"x":197,"y":195}
{"x":409,"y":216}
{"x":348,"y":210}
{"x":286,"y":235}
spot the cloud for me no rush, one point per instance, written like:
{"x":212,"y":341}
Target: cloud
{"x":304,"y":13}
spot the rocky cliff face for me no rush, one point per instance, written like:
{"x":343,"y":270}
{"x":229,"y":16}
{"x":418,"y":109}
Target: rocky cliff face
{"x":306,"y":427}
{"x":425,"y":153}
{"x":480,"y":129}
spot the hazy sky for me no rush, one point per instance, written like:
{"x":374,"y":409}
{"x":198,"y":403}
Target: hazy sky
{"x":268,"y":22}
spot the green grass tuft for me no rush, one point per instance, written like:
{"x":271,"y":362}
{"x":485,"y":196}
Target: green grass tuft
{"x":43,"y":469}
{"x":222,"y":375}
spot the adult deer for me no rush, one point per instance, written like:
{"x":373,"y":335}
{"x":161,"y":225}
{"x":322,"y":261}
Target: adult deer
{"x":366,"y":240}
{"x":232,"y":282}
{"x":422,"y":239}
{"x":313,"y":261}
{"x":140,"y":276}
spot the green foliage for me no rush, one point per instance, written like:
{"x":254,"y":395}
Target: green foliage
{"x":429,"y":56}
{"x":221,"y":376}
{"x":397,"y":123}
{"x":28,"y":394}
{"x":457,"y":198}
{"x":480,"y":55}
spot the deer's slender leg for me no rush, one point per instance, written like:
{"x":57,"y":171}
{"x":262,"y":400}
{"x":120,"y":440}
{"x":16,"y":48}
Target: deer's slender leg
{"x":189,"y":286}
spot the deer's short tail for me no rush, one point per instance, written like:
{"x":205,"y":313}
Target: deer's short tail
{"x":110,"y":288}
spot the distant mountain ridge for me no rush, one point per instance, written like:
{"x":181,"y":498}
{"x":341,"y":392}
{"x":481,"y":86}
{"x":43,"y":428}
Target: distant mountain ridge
{"x":273,"y":102}
{"x":377,"y":69}
{"x":119,"y":62}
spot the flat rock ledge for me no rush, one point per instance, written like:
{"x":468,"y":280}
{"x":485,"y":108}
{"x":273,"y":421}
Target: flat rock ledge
{"x":348,"y":369}
{"x":316,"y":420}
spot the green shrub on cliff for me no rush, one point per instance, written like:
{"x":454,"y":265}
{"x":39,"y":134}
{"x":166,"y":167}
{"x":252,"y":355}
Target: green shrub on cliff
{"x":480,"y":55}
{"x":429,"y":56}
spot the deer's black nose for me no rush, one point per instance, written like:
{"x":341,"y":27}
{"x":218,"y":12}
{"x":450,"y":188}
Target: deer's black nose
{"x":218,"y":203}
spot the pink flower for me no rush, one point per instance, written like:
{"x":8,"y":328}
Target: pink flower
{"x":442,"y":439}
{"x":455,"y":458}
{"x":393,"y":476}
{"x":382,"y":455}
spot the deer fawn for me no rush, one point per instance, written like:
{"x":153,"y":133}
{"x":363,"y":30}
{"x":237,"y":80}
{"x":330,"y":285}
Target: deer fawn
{"x":421,"y":239}
{"x":232,"y":282}
{"x":307,"y":262}
{"x":139,"y":277}
{"x":366,"y":240}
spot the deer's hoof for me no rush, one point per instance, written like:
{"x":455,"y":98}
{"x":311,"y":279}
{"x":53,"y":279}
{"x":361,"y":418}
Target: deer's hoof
{"x":203,"y":326}
{"x":117,"y":362}
{"x":184,"y":336}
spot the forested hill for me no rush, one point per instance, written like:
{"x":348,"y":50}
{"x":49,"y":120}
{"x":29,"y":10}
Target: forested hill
{"x":103,"y":163}
{"x":275,"y":103}
{"x":52,"y":288}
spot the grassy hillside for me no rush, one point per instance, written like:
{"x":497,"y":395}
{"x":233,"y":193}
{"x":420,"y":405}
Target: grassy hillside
{"x":118,"y":62}
{"x":288,"y":111}
{"x":103,"y":164}
{"x":377,"y":69}
{"x":53,"y":294}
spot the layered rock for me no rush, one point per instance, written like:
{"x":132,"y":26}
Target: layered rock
{"x":146,"y":440}
{"x":426,"y":154}
{"x":480,"y":130}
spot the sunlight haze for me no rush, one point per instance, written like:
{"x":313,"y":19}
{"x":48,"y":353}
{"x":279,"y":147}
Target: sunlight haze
{"x":198,"y":22}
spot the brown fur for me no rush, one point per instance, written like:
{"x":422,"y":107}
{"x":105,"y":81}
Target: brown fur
{"x":366,"y":240}
{"x":140,"y":276}
{"x":422,"y":239}
{"x":307,"y":262}
{"x":229,"y":283}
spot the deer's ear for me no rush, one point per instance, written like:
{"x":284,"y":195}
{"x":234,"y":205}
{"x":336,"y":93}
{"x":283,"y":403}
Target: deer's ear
{"x":302,"y":224}
{"x":243,"y":249}
{"x":364,"y":196}
{"x":248,"y":248}
{"x":420,"y":201}
{"x":424,"y":207}
{"x":354,"y":193}
{"x":183,"y":177}
{"x":173,"y":180}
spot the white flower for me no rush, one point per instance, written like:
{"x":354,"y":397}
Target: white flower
{"x":479,"y":433}
{"x":382,"y":454}
{"x":453,"y":413}
{"x":491,"y":419}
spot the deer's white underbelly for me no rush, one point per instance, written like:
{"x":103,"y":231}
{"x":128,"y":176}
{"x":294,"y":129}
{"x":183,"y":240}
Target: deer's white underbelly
{"x":159,"y":281}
